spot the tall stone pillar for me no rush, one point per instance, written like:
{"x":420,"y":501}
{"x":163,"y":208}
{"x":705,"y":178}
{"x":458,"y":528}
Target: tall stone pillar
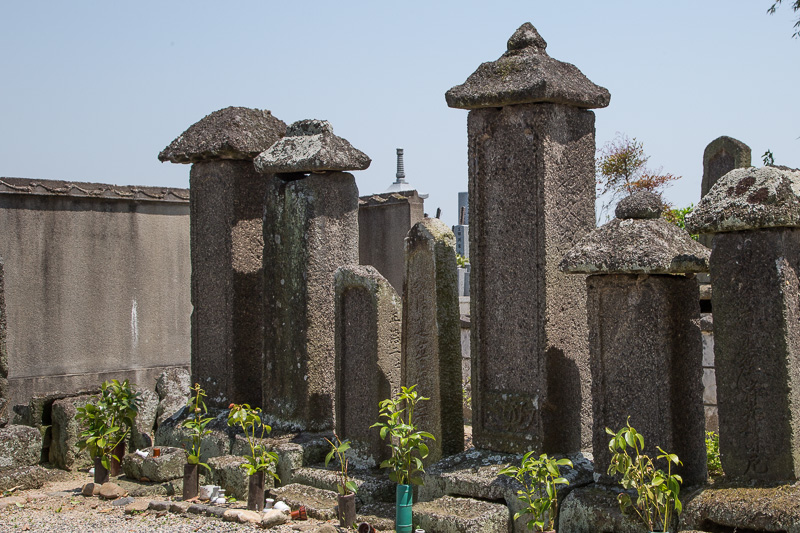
{"x":310,"y":229}
{"x":226,"y":207}
{"x":368,"y":343}
{"x":5,"y":415}
{"x":722,"y":155}
{"x":432,"y":334}
{"x":754,"y":216}
{"x":531,"y":192}
{"x":644,"y":337}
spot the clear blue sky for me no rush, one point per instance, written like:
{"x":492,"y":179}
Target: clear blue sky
{"x":92,"y":91}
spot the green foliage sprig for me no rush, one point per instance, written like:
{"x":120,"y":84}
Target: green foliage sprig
{"x":407,"y":442}
{"x":712,"y":454}
{"x":249,"y":420}
{"x":108,"y":421}
{"x":657,"y":492}
{"x":462,"y":261}
{"x":345,"y":485}
{"x":196,"y":422}
{"x":677,"y":216}
{"x":539,"y":477}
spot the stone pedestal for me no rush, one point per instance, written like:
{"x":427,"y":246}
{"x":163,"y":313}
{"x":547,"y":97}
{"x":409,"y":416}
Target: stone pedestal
{"x":432,"y":335}
{"x":368,"y":343}
{"x":754,"y":216}
{"x":531,"y":191}
{"x":5,"y":409}
{"x":227,"y":205}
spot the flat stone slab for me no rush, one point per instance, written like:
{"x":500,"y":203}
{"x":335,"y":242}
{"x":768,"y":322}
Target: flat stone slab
{"x":320,"y":504}
{"x":775,"y":508}
{"x":371,"y":487}
{"x":166,"y":467}
{"x":594,"y":509}
{"x":379,"y":515}
{"x":461,"y":515}
{"x":19,"y":446}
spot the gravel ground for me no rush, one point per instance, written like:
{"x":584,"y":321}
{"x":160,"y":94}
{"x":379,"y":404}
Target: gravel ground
{"x":60,"y":507}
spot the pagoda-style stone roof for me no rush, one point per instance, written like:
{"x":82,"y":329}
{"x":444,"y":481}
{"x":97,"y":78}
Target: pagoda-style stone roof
{"x":311,"y":146}
{"x":230,"y":133}
{"x":749,"y":198}
{"x":525,"y":74}
{"x":639,"y":243}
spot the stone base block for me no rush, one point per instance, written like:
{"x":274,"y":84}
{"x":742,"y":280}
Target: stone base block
{"x":215,"y":444}
{"x":226,"y":471}
{"x":19,"y":446}
{"x":371,"y":487}
{"x":462,"y":515}
{"x":24,"y":478}
{"x":594,"y":509}
{"x":320,"y":504}
{"x":378,"y":514}
{"x":730,"y":508}
{"x":166,"y":467}
{"x":66,"y":432}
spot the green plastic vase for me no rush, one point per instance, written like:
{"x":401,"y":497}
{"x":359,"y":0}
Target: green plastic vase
{"x":402,"y":517}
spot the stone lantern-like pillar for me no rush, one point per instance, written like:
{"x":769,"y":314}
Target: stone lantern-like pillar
{"x":310,"y":230}
{"x":644,"y":336}
{"x":754,"y":216}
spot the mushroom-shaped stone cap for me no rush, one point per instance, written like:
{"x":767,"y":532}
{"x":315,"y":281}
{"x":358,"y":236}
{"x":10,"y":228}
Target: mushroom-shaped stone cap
{"x":749,"y":198}
{"x":637,"y":244}
{"x":525,"y":74}
{"x":311,"y":146}
{"x":230,"y":133}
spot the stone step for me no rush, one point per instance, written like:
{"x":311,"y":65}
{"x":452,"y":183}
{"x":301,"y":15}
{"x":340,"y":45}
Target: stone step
{"x":319,"y":503}
{"x":372,"y":487}
{"x":461,"y":515}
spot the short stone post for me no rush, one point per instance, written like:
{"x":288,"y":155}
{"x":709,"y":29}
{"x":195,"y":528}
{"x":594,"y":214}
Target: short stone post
{"x":432,"y":334}
{"x":531,"y":193}
{"x":644,"y":336}
{"x":368,"y":342}
{"x":310,"y":229}
{"x":754,"y":216}
{"x":722,"y":155}
{"x":226,"y":207}
{"x":5,"y":415}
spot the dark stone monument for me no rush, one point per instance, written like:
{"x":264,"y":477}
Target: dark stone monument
{"x":722,"y":155}
{"x":310,"y":229}
{"x":432,"y":334}
{"x":754,"y":215}
{"x":227,"y":204}
{"x":644,"y":336}
{"x":531,"y":191}
{"x":5,"y":408}
{"x":368,"y":342}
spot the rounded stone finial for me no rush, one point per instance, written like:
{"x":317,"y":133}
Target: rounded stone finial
{"x":526,"y":36}
{"x":641,"y":205}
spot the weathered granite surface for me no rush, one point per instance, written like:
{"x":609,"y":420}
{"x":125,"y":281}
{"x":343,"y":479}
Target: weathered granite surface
{"x":145,"y":423}
{"x":166,"y":467}
{"x":19,"y":446}
{"x":230,"y":133}
{"x":226,"y":471}
{"x":722,"y":155}
{"x":749,"y":198}
{"x":525,"y":74}
{"x":66,"y":432}
{"x":461,"y":515}
{"x":743,"y":508}
{"x":594,"y":509}
{"x":319,"y":503}
{"x":5,"y":408}
{"x":172,"y":388}
{"x":311,"y":146}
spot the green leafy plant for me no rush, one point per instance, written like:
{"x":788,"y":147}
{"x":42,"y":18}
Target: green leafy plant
{"x":407,"y":442}
{"x":677,"y":216}
{"x":712,"y":454}
{"x":249,"y":420}
{"x":462,"y":261}
{"x":196,"y":422}
{"x":107,"y":421}
{"x":657,"y":492}
{"x":466,"y":394}
{"x":539,"y":477}
{"x":345,"y":485}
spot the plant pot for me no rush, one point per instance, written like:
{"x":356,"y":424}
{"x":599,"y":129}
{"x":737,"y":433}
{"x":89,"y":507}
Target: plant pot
{"x":347,"y":510}
{"x":115,"y":465}
{"x":190,"y":481}
{"x":402,"y":515}
{"x":156,"y":452}
{"x":100,"y":472}
{"x":255,"y":491}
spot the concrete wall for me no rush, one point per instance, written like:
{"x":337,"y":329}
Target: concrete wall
{"x":96,"y":283}
{"x":383,"y":222}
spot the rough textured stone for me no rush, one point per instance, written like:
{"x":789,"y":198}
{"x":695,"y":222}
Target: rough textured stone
{"x":371,"y":486}
{"x":319,"y":503}
{"x":311,"y":146}
{"x":720,"y":157}
{"x":461,"y":515}
{"x":226,"y":472}
{"x":111,"y":491}
{"x":214,"y":444}
{"x":142,"y":434}
{"x":646,"y":355}
{"x":166,"y":467}
{"x":159,"y":505}
{"x":230,"y":133}
{"x":274,"y":517}
{"x":91,"y":489}
{"x":594,"y":509}
{"x":637,"y":241}
{"x":19,"y":446}
{"x":749,"y":198}
{"x":24,"y":478}
{"x":368,"y":338}
{"x":179,"y":507}
{"x":172,"y":388}
{"x":432,"y":335}
{"x":531,"y":190}
{"x":66,"y":432}
{"x":5,"y":408}
{"x":756,"y":301}
{"x":127,"y":500}
{"x":729,"y":508}
{"x":310,"y":229}
{"x":526,"y":74}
